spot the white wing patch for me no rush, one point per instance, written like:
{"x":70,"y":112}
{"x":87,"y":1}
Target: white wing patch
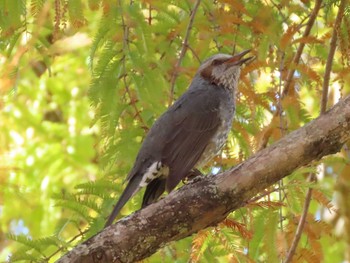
{"x":157,"y":169}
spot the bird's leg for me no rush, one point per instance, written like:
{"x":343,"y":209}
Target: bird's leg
{"x":192,"y":175}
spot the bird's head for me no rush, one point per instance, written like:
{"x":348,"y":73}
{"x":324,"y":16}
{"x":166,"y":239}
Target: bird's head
{"x":223,"y":69}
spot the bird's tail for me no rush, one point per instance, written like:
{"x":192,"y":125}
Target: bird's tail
{"x":153,"y":191}
{"x":132,"y":187}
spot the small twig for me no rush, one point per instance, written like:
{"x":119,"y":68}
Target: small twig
{"x":333,"y":45}
{"x":282,"y":129}
{"x":194,"y":53}
{"x":150,"y":14}
{"x":124,"y":74}
{"x":279,"y":7}
{"x":300,"y":49}
{"x":236,"y":36}
{"x":183,"y":51}
{"x":266,"y":193}
{"x":132,"y":101}
{"x":300,"y":227}
{"x":280,"y":92}
{"x":81,"y":233}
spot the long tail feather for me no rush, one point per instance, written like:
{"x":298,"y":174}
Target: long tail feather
{"x":131,"y":189}
{"x":153,"y":191}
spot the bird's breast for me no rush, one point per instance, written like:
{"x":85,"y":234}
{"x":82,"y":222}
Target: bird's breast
{"x":218,"y":140}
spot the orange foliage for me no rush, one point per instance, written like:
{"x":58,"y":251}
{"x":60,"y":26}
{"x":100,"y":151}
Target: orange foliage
{"x":197,"y":244}
{"x":306,"y":254}
{"x":236,"y":226}
{"x":323,"y":200}
{"x":237,"y":6}
{"x":308,"y":72}
{"x":288,"y":35}
{"x":308,"y":40}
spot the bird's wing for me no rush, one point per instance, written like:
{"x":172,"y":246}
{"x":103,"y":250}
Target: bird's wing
{"x":195,"y":119}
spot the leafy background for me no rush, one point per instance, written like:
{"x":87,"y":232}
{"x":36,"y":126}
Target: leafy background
{"x":82,"y":82}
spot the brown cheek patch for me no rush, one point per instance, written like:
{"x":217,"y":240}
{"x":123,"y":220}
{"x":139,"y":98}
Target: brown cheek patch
{"x":207,"y":74}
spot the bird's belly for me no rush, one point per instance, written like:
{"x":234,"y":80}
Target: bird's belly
{"x":216,"y":143}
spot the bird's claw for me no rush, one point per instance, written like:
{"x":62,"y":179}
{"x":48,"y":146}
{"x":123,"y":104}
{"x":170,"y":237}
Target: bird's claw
{"x":193,"y":176}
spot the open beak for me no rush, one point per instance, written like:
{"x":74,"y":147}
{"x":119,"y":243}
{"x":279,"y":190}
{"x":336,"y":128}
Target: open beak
{"x":238,"y":59}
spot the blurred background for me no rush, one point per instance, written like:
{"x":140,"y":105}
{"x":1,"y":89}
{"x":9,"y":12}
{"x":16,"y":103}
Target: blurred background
{"x":81,"y":82}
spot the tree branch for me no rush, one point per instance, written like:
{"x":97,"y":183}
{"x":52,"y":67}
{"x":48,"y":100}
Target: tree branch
{"x":208,"y":200}
{"x":183,"y":51}
{"x":333,"y":46}
{"x":300,"y":49}
{"x":124,"y":74}
{"x":301,"y":225}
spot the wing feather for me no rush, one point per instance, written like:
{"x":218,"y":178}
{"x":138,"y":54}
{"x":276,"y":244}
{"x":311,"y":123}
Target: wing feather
{"x":195,"y":122}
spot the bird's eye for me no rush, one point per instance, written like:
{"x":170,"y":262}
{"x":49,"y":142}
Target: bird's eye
{"x":216,"y":62}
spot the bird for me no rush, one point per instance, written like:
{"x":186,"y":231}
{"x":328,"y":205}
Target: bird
{"x":189,"y":134}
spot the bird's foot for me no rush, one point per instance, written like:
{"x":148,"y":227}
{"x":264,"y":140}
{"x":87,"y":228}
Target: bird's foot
{"x":193,"y":176}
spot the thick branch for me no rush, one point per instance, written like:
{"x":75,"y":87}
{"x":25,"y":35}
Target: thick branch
{"x":207,"y":201}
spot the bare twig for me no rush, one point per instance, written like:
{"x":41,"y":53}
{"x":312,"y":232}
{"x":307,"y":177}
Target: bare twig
{"x":300,"y":49}
{"x":300,"y":227}
{"x":330,"y":57}
{"x":265,"y":193}
{"x":124,"y":74}
{"x":183,"y":51}
{"x":150,"y":14}
{"x":282,"y":129}
{"x":236,"y":36}
{"x":279,"y":8}
{"x":312,"y":177}
{"x":81,"y":233}
{"x":194,"y":53}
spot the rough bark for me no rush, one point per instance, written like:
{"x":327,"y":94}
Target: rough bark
{"x":208,"y":200}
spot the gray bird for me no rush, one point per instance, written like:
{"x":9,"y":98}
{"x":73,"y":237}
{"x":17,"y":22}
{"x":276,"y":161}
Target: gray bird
{"x":189,"y":133}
